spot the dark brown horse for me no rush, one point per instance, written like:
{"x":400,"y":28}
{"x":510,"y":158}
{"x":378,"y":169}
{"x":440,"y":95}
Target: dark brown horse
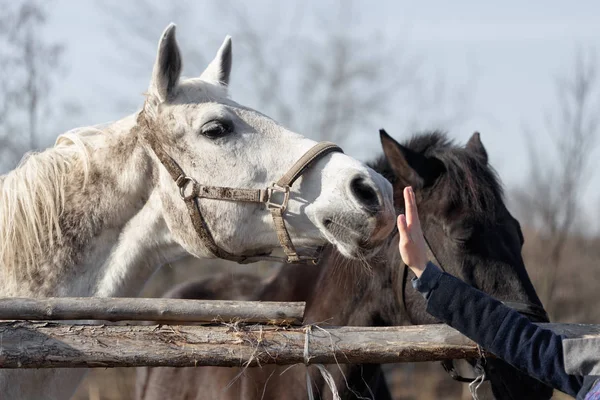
{"x":470,"y":233}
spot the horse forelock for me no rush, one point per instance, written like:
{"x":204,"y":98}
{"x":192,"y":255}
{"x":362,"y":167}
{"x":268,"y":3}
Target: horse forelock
{"x":32,"y":198}
{"x":198,"y":90}
{"x":189,"y":91}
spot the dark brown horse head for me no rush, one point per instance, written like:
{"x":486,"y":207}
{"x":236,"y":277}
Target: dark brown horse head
{"x":470,"y":233}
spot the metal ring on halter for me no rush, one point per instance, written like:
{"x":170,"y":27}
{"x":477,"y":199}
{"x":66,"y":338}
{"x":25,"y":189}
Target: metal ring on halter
{"x":275,"y":188}
{"x":182,"y":183}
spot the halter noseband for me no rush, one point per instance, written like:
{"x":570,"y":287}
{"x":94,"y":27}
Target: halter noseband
{"x":190,"y":190}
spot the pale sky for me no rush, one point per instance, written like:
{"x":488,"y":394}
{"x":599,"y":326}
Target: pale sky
{"x":512,"y":49}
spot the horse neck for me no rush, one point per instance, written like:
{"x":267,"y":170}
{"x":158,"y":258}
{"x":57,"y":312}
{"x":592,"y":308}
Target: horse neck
{"x":40,"y":384}
{"x":113,"y":235}
{"x":291,"y":283}
{"x":344,"y":292}
{"x":352,"y":293}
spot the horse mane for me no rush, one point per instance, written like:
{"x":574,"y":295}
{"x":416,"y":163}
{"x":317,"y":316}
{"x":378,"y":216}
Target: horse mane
{"x":469,"y":180}
{"x":32,"y":198}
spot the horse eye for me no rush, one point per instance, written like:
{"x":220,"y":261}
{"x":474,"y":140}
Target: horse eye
{"x":217,"y":129}
{"x":460,"y":233}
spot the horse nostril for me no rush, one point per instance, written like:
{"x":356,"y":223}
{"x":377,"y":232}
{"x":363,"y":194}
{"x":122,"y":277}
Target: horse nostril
{"x":365,"y":194}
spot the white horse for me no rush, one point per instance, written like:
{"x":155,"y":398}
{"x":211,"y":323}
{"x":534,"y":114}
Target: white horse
{"x":98,"y":213}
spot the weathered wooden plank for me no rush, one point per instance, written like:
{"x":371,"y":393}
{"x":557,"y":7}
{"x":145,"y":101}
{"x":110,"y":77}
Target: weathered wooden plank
{"x":51,"y":345}
{"x":157,"y":310}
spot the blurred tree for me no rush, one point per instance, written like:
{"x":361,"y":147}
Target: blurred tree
{"x":551,"y":200}
{"x":307,"y":67}
{"x":29,"y":63}
{"x":329,"y":85}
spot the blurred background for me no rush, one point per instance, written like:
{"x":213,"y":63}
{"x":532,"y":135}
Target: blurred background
{"x":526,"y":75}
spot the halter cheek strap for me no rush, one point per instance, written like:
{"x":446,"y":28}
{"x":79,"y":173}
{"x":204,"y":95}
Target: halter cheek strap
{"x":190,"y":191}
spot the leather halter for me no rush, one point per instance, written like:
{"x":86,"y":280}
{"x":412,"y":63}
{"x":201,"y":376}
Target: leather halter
{"x":190,"y":191}
{"x":534,"y":312}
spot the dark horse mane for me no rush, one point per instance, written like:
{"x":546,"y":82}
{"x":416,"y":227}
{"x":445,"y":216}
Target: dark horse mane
{"x":469,"y":180}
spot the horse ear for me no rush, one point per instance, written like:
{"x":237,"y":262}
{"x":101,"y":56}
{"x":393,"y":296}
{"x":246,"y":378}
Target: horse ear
{"x":219,"y":69}
{"x":410,"y":167}
{"x":167,"y":67}
{"x":474,"y":145}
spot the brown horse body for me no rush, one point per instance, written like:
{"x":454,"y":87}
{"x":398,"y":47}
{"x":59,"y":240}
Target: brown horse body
{"x":455,"y":187}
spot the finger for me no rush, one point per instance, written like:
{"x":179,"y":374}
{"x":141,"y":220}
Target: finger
{"x":416,"y":220}
{"x":412,"y":215}
{"x":402,"y":226}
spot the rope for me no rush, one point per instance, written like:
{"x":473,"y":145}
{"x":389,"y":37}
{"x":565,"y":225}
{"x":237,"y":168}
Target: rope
{"x":480,"y":367}
{"x":329,"y":381}
{"x":307,"y":331}
{"x":327,"y":377}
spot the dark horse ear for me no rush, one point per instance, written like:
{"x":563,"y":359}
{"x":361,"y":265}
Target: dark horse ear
{"x":410,"y":167}
{"x":474,"y":145}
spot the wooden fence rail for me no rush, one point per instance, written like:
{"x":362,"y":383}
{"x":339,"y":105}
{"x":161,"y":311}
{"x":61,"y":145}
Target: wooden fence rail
{"x":52,"y":345}
{"x":156,"y":310}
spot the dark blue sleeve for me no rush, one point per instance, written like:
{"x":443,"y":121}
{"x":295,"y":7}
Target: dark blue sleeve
{"x":497,"y":328}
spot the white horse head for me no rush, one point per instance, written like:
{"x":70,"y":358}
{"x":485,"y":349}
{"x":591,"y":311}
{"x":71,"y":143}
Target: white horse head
{"x":218,"y":142}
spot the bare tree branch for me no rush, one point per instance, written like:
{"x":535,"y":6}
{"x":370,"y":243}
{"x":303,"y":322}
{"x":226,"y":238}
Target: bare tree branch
{"x":143,"y":20}
{"x":552,"y":198}
{"x":28,"y":61}
{"x":331,"y":84}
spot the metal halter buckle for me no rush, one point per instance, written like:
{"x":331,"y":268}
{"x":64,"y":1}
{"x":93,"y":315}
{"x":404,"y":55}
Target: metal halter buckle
{"x":281,"y":189}
{"x":182,"y":183}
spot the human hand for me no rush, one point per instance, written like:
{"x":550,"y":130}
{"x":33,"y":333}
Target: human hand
{"x":412,"y":242}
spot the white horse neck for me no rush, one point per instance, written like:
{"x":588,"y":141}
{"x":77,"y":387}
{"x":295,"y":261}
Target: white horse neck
{"x":107,"y":234}
{"x":112,"y":235}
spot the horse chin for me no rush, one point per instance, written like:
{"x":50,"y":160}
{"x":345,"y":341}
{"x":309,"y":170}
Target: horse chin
{"x":355,"y":253}
{"x":367,"y":253}
{"x":354,"y":244}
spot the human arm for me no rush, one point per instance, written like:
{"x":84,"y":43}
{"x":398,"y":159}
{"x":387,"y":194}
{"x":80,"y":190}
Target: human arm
{"x":496,"y":327}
